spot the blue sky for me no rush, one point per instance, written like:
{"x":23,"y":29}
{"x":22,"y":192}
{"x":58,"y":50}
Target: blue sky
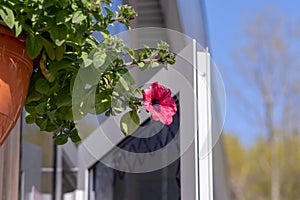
{"x":225,"y":23}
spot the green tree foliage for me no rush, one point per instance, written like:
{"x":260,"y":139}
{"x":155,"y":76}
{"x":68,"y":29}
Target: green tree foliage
{"x":250,"y":167}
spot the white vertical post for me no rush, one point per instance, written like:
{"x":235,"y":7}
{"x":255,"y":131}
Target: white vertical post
{"x":203,"y":136}
{"x":59,"y":171}
{"x":196,"y":113}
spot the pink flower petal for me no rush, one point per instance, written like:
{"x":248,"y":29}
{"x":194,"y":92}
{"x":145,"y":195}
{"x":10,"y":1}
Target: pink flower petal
{"x":164,"y":107}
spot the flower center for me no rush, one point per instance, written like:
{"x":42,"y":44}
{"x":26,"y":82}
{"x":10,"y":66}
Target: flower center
{"x":155,"y":102}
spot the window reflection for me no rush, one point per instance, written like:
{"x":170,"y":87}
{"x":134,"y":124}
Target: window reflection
{"x":106,"y":183}
{"x":37,"y":158}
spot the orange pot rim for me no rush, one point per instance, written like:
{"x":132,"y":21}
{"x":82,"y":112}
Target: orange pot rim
{"x":4,"y":30}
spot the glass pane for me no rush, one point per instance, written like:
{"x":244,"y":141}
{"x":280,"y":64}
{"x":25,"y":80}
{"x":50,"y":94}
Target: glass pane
{"x":111,"y":184}
{"x":69,"y":177}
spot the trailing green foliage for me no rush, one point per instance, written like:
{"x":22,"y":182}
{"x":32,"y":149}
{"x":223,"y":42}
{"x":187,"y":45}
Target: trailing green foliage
{"x":59,"y":35}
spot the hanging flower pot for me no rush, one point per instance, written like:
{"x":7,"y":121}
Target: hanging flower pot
{"x":15,"y":72}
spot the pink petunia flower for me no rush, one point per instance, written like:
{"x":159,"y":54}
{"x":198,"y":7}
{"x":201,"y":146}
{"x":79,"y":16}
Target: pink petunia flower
{"x":159,"y":103}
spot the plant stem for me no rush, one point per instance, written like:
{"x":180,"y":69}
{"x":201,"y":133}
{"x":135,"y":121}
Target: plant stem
{"x":43,"y":67}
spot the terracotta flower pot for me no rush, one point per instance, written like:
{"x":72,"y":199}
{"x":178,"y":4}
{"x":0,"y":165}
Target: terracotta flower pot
{"x":15,"y":71}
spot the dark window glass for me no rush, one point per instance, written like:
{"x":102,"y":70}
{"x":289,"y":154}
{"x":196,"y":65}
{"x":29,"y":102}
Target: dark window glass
{"x":163,"y":184}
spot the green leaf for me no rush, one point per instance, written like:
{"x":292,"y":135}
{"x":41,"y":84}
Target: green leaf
{"x":51,"y":127}
{"x":42,"y":86}
{"x":102,"y":101}
{"x":63,"y":17}
{"x":110,"y":14}
{"x":99,"y":59}
{"x":41,"y":109}
{"x":29,"y":118}
{"x":123,"y":83}
{"x":107,"y":113}
{"x":103,"y":96}
{"x":155,"y":64}
{"x":102,"y":107}
{"x":48,"y":3}
{"x":59,"y":34}
{"x":49,"y":49}
{"x":34,"y":45}
{"x":59,"y":52}
{"x":64,"y":97}
{"x":129,"y":123}
{"x":42,"y":123}
{"x":87,"y":61}
{"x":140,"y":55}
{"x":30,"y":108}
{"x":52,"y":77}
{"x":141,"y":64}
{"x":7,"y":16}
{"x":105,"y":34}
{"x":33,"y":96}
{"x":52,"y":114}
{"x":65,"y":113}
{"x":54,"y":88}
{"x":127,"y":76}
{"x":18,"y":29}
{"x":147,"y":50}
{"x":130,"y":52}
{"x":78,"y":17}
{"x":61,"y":139}
{"x":75,"y":136}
